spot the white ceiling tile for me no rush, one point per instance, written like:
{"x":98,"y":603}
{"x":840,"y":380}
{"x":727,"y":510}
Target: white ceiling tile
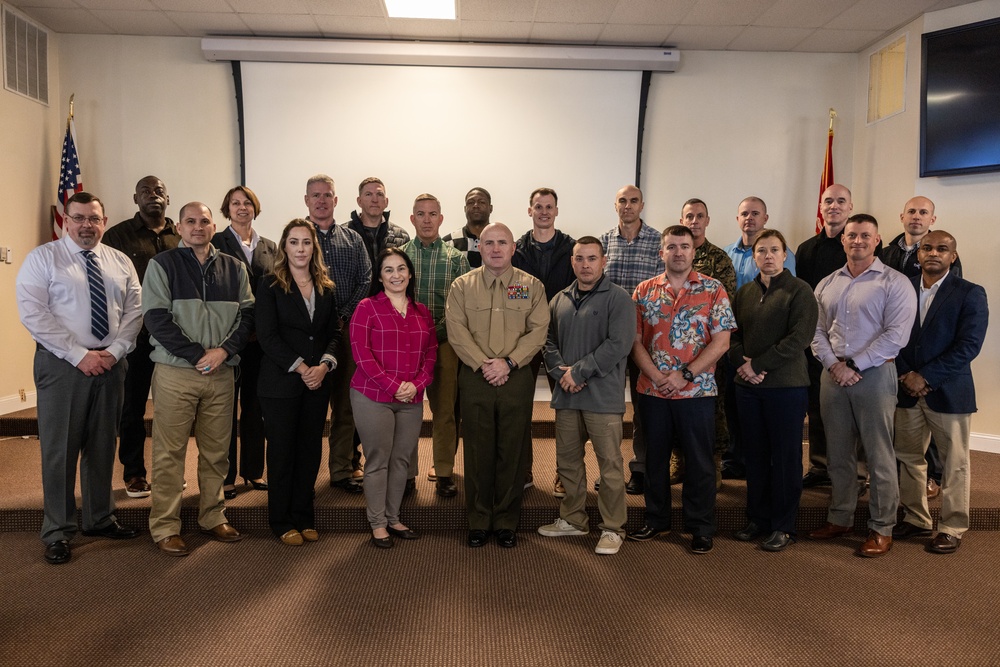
{"x":725,"y":12}
{"x":200,"y":24}
{"x":425,"y":29}
{"x":577,"y":11}
{"x":69,"y":20}
{"x":197,"y":6}
{"x":358,"y":27}
{"x":875,"y":14}
{"x":651,"y":12}
{"x":283,"y":25}
{"x":566,"y":33}
{"x":636,"y":35}
{"x":838,"y":41}
{"x":346,"y":7}
{"x":702,"y":38}
{"x":281,"y":7}
{"x":754,"y":38}
{"x":496,"y":10}
{"x":802,"y":13}
{"x":124,"y":5}
{"x":138,"y":23}
{"x":495,"y":31}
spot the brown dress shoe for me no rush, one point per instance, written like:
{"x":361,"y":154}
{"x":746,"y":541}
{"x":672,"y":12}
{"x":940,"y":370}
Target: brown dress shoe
{"x":876,"y":545}
{"x":224,"y":533}
{"x":943,"y":543}
{"x":173,"y":546}
{"x":830,"y":531}
{"x":933,"y":489}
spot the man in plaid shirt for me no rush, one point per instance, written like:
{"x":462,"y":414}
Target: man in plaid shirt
{"x":350,"y":268}
{"x":436,"y":265}
{"x":633,"y":251}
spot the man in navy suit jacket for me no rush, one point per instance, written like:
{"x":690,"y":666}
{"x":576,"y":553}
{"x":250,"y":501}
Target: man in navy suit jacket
{"x":936,"y":393}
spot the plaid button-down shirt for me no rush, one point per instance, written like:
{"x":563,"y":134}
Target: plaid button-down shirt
{"x":348,"y":266}
{"x":436,"y":267}
{"x":631,"y":262}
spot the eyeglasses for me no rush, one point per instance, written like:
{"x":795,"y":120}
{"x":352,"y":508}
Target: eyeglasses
{"x":93,"y":219}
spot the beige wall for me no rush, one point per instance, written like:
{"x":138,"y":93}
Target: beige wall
{"x":29,"y":162}
{"x":886,"y":174}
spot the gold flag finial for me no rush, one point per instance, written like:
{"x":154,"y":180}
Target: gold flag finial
{"x":69,"y":118}
{"x":833,"y":114}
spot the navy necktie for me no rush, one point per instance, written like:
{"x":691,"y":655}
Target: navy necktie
{"x":98,"y":297}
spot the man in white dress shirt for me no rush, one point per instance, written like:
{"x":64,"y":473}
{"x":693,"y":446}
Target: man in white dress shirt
{"x":81,"y":302}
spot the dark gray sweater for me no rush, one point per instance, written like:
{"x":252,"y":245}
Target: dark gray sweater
{"x":776,"y":324}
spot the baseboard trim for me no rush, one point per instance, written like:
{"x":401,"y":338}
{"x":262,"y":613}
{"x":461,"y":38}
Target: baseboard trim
{"x":14,"y":403}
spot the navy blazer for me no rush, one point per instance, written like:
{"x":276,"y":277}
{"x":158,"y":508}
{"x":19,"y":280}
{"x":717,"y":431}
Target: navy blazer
{"x":286,"y":333}
{"x":262,"y":260}
{"x":942,"y":349}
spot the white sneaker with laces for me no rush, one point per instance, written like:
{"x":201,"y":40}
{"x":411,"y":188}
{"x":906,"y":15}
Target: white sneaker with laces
{"x":560,"y":529}
{"x":609,"y":544}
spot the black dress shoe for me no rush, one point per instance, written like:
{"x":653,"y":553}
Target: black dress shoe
{"x":777,"y":541}
{"x":348,"y":485}
{"x":729,"y":472}
{"x":644,"y":534}
{"x":814,"y":479}
{"x":597,"y":485}
{"x":507,"y":538}
{"x":750,"y":533}
{"x":944,"y":544}
{"x":904,"y":531}
{"x":382,"y":542}
{"x":445,"y":487}
{"x":229,"y":494}
{"x":411,"y":486}
{"x":406,"y":534}
{"x":478,"y":538}
{"x":701,"y":544}
{"x":57,"y":553}
{"x":257,"y":486}
{"x":114,"y":531}
{"x":636,"y":485}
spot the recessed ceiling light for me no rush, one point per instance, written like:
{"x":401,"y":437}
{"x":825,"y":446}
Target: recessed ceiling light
{"x":421,"y":9}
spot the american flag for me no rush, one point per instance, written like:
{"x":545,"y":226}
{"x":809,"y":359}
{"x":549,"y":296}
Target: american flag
{"x":70,"y":180}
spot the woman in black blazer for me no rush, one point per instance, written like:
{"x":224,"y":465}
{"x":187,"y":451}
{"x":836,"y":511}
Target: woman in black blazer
{"x":298,"y":329}
{"x":241,"y":207}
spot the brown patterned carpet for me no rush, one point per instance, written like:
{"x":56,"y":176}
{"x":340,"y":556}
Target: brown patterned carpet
{"x":549,"y":602}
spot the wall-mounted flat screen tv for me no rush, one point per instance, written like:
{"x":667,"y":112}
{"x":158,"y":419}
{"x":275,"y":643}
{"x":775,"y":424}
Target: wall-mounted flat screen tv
{"x":960,"y":100}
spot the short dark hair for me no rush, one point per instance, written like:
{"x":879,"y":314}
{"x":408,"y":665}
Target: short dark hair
{"x":376,"y":284}
{"x":862,"y":217}
{"x":84,"y":198}
{"x":543,"y":192}
{"x":676,"y":230}
{"x":590,"y":240}
{"x":369,"y":180}
{"x":691,"y":202}
{"x":483,"y":190}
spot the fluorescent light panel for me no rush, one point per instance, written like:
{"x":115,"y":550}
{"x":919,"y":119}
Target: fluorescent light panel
{"x":421,"y":9}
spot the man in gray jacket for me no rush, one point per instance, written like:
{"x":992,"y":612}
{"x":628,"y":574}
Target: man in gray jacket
{"x":591,"y":331}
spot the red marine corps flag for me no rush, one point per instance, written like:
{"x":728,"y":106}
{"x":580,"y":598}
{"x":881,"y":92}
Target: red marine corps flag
{"x":70,"y":180}
{"x":826,"y":180}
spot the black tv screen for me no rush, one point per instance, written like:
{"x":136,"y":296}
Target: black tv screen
{"x":960,"y":100}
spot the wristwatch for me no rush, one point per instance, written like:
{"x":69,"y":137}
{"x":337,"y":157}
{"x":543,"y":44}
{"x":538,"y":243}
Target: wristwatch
{"x":510,"y":363}
{"x":328,"y":364}
{"x":687,"y":374}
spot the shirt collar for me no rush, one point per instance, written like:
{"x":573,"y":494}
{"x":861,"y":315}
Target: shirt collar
{"x":933,"y":288}
{"x":505,"y":278}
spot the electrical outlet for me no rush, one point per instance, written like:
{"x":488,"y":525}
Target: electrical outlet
{"x":10,"y":256}
{"x":3,"y":254}
{"x":24,"y":397}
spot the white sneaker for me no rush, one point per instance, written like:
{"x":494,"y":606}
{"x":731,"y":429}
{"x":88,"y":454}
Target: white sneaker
{"x":560,"y":529}
{"x":609,"y":544}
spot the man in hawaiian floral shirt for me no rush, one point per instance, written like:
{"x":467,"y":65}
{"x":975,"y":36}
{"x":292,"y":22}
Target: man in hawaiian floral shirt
{"x":684,"y":320}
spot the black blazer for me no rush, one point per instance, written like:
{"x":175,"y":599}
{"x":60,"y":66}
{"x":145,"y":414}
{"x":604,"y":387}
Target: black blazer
{"x":261,"y":262}
{"x":286,"y":333}
{"x":943,"y":348}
